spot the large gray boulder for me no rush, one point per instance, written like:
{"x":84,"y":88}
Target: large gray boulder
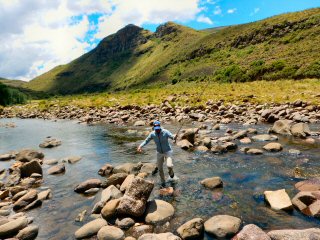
{"x":115,"y":179}
{"x":26,"y":155}
{"x":294,"y":234}
{"x":27,"y":169}
{"x":134,"y":201}
{"x":282,"y":127}
{"x":158,"y":211}
{"x":109,"y":193}
{"x":192,"y":229}
{"x":251,"y":232}
{"x":300,"y":130}
{"x":90,"y":229}
{"x":222,"y":226}
{"x":11,"y":228}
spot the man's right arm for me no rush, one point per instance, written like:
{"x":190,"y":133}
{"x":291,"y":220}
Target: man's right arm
{"x":145,"y":142}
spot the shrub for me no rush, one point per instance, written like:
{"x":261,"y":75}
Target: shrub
{"x":232,"y":73}
{"x":10,"y":96}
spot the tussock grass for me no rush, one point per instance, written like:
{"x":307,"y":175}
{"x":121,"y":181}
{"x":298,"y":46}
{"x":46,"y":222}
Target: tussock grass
{"x":198,"y":93}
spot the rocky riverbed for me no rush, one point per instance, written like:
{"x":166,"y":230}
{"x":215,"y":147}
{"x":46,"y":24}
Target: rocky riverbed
{"x":88,"y":182}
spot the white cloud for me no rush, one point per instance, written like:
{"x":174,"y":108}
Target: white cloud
{"x":204,"y":19}
{"x":146,"y":11}
{"x":232,"y":10}
{"x":217,"y":11}
{"x":255,"y":11}
{"x":37,"y":35}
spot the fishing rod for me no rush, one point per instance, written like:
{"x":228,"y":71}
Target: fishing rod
{"x":197,"y":99}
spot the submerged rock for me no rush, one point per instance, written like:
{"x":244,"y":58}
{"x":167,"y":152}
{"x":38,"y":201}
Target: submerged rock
{"x":213,"y":182}
{"x":50,"y":143}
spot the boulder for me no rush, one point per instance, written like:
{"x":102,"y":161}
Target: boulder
{"x":278,"y":200}
{"x":254,"y":151}
{"x":139,"y":230}
{"x":251,"y":232}
{"x":149,"y":168}
{"x":58,"y":169}
{"x":158,"y":211}
{"x":294,"y":234}
{"x":240,"y":134}
{"x":27,"y":169}
{"x":109,"y":193}
{"x":213,"y":182}
{"x":218,"y":149}
{"x":90,"y":229}
{"x":312,"y":184}
{"x":140,"y":123}
{"x":110,"y":233}
{"x":126,"y":182}
{"x":50,"y":143}
{"x":125,"y":223}
{"x":11,"y":228}
{"x":133,"y":203}
{"x":115,"y":179}
{"x":7,"y":156}
{"x":185,"y":144}
{"x":265,"y":137}
{"x":192,"y":229}
{"x":72,"y":159}
{"x":26,"y":155}
{"x":44,"y":195}
{"x":245,"y":140}
{"x":202,"y":149}
{"x":222,"y":226}
{"x":36,"y":203}
{"x":4,"y":194}
{"x":300,"y":130}
{"x":28,"y":233}
{"x":109,"y":209}
{"x":159,"y":236}
{"x":189,"y":135}
{"x":128,"y":168}
{"x":273,"y":147}
{"x":86,"y":185}
{"x":25,"y":200}
{"x":105,"y":170}
{"x":282,"y":127}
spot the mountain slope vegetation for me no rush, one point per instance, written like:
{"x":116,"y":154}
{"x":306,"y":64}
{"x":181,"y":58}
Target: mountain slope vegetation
{"x":281,"y":47}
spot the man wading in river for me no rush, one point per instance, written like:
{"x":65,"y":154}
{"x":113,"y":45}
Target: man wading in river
{"x":164,"y":151}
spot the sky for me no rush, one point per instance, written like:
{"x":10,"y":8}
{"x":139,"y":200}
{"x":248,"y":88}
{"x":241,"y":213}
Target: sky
{"x":37,"y":35}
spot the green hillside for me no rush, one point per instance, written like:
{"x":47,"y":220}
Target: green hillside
{"x":282,"y":47}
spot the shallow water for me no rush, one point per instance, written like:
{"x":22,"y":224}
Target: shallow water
{"x":245,"y":177}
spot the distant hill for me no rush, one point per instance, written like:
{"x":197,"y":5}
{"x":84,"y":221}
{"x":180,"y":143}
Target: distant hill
{"x":280,"y":47}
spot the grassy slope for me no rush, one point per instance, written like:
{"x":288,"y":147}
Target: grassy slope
{"x":283,"y":46}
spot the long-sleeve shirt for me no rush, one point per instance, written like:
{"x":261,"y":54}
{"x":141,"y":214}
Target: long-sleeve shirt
{"x":161,"y":140}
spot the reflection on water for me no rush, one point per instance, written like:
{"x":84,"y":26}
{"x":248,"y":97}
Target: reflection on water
{"x":245,"y":177}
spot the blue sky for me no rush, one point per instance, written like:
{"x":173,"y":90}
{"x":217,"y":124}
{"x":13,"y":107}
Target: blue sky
{"x":36,"y":36}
